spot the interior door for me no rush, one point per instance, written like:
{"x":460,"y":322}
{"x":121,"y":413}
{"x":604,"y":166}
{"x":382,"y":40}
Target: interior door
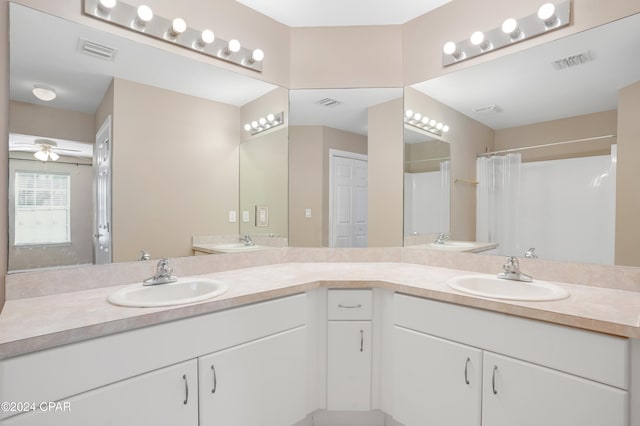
{"x":102,"y":194}
{"x":349,"y":186}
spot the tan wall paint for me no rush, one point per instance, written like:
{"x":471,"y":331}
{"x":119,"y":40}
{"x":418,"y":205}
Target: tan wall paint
{"x":346,"y":57}
{"x":38,"y":120}
{"x":309,"y":180}
{"x":105,"y":109}
{"x":386,"y":178}
{"x":628,"y":177}
{"x":175,"y":170}
{"x":566,"y":129}
{"x":416,"y":153}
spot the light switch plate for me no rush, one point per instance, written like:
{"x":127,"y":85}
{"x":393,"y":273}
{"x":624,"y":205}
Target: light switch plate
{"x":245,"y":216}
{"x":307,"y":213}
{"x":262,"y":216}
{"x":233,"y":216}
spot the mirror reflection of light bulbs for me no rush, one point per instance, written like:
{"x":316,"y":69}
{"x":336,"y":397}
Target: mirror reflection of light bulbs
{"x":445,"y":128}
{"x":509,"y":26}
{"x":254,"y":124}
{"x":439,"y":126}
{"x":408,"y":113}
{"x":207,"y":37}
{"x":262,"y":121}
{"x":53,"y":156}
{"x":178,"y":26}
{"x":547,"y":13}
{"x":432,"y":122}
{"x":145,"y":14}
{"x":247,"y":127}
{"x":417,"y":116}
{"x":271,"y":118}
{"x":105,"y":6}
{"x":425,"y":121}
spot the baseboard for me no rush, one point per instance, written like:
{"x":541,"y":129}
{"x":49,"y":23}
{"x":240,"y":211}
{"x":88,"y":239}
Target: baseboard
{"x":348,"y":418}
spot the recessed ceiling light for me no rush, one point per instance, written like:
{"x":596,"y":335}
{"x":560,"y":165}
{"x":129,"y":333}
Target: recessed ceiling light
{"x":44,"y":93}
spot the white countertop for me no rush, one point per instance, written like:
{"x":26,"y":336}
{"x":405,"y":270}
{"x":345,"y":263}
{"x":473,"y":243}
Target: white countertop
{"x":31,"y":324}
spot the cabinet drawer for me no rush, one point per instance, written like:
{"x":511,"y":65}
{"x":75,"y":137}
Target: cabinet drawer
{"x":350,"y":304}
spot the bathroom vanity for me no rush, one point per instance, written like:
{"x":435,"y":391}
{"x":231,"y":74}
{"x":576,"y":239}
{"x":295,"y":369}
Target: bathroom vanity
{"x":289,"y":343}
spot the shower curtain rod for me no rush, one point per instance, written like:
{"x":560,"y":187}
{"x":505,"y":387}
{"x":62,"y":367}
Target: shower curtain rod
{"x":524,"y":148}
{"x":428,"y":159}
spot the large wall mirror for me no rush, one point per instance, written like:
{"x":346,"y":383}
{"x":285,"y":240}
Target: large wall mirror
{"x":534,"y":140}
{"x":329,"y":134}
{"x":143,"y":148}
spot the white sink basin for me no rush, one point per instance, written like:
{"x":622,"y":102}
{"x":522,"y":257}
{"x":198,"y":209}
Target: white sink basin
{"x":497,"y":288}
{"x":185,"y":290}
{"x":454,"y":245}
{"x":233,"y":247}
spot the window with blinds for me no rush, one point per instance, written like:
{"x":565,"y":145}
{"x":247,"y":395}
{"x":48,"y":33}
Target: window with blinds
{"x":42,"y":208}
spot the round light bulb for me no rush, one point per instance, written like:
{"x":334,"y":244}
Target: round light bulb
{"x":432,"y":122}
{"x":477,"y":38}
{"x":509,"y":26}
{"x":257,"y":55}
{"x":417,"y":116}
{"x":425,"y":121}
{"x":449,"y":48}
{"x":106,"y":5}
{"x":53,"y":156}
{"x":271,"y":118}
{"x":145,"y":14}
{"x":546,"y":11}
{"x":445,"y":128}
{"x":439,"y":126}
{"x":254,"y":124}
{"x":234,"y":46}
{"x":178,"y":26}
{"x":247,"y":127}
{"x":207,"y":37}
{"x":41,"y":155}
{"x":262,"y":121}
{"x":408,"y":113}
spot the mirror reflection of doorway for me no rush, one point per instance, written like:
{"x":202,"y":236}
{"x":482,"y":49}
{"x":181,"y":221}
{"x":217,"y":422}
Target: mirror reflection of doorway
{"x":348,"y":224}
{"x":102,"y":193}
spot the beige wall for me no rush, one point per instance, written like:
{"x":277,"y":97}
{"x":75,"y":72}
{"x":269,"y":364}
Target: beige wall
{"x":628,"y":177}
{"x":37,"y":120}
{"x":175,"y":170}
{"x":415,"y":155}
{"x":566,"y":129}
{"x":386,"y":178}
{"x":346,"y":57}
{"x":309,"y":180}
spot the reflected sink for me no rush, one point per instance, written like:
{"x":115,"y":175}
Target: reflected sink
{"x":185,"y":290}
{"x":236,"y":247}
{"x":497,"y":288}
{"x":455,"y":245}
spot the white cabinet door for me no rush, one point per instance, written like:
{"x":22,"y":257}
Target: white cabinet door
{"x":168,"y":396}
{"x":349,"y":365}
{"x":437,"y":382}
{"x":524,"y":394}
{"x":260,"y":383}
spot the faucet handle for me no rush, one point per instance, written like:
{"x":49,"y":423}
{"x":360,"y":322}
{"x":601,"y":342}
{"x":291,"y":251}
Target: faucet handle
{"x":163,"y":266}
{"x":511,"y":265}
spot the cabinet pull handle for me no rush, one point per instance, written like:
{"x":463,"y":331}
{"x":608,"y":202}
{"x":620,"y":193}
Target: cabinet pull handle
{"x":466,"y":371}
{"x":340,"y":305}
{"x":361,"y":340}
{"x":186,"y":390}
{"x":493,"y":380}
{"x":215,"y":379}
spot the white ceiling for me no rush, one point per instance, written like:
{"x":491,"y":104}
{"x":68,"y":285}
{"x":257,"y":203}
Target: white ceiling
{"x":332,"y":13}
{"x":527,"y":89}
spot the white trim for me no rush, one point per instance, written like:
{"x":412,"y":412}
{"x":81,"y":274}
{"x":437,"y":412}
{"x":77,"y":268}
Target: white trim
{"x":333,"y":153}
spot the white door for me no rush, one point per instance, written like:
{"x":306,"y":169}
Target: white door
{"x":348,"y":200}
{"x":168,"y":396}
{"x":102,"y":194}
{"x":436,"y":382}
{"x":261,"y":383}
{"x":524,"y":394}
{"x":349,"y":365}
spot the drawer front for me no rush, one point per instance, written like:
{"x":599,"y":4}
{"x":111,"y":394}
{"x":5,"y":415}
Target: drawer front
{"x":587,"y":354}
{"x":349,"y":305}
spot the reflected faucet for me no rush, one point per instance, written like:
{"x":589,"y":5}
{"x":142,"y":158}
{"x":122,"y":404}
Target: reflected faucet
{"x":163,"y":274}
{"x":442,"y":237}
{"x":531,"y":253}
{"x":247,"y":240}
{"x":511,"y":271}
{"x":144,"y":255}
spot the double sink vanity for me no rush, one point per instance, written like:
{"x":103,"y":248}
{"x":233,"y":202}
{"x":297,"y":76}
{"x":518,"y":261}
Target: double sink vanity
{"x":294,"y":342}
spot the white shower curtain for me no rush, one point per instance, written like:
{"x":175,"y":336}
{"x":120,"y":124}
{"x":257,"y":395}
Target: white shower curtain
{"x":498,"y":202}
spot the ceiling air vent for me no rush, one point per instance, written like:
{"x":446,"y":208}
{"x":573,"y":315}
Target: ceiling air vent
{"x":328,"y":102}
{"x":488,"y":109}
{"x":96,"y":50}
{"x":572,"y":61}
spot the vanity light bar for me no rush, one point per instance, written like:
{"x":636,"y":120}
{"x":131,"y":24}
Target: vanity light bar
{"x":175,"y":31}
{"x":425,"y":123}
{"x":264,"y":123}
{"x":549,"y":17}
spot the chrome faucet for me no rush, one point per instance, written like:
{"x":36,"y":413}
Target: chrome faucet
{"x":163,"y":274}
{"x":531,"y":253}
{"x":144,"y":255}
{"x":247,"y":240}
{"x":442,"y":237}
{"x":511,"y":271}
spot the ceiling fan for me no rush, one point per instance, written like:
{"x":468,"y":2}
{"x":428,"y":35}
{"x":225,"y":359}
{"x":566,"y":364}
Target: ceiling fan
{"x":45,"y":149}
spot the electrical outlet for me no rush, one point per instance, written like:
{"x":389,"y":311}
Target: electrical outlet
{"x":232,"y":216}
